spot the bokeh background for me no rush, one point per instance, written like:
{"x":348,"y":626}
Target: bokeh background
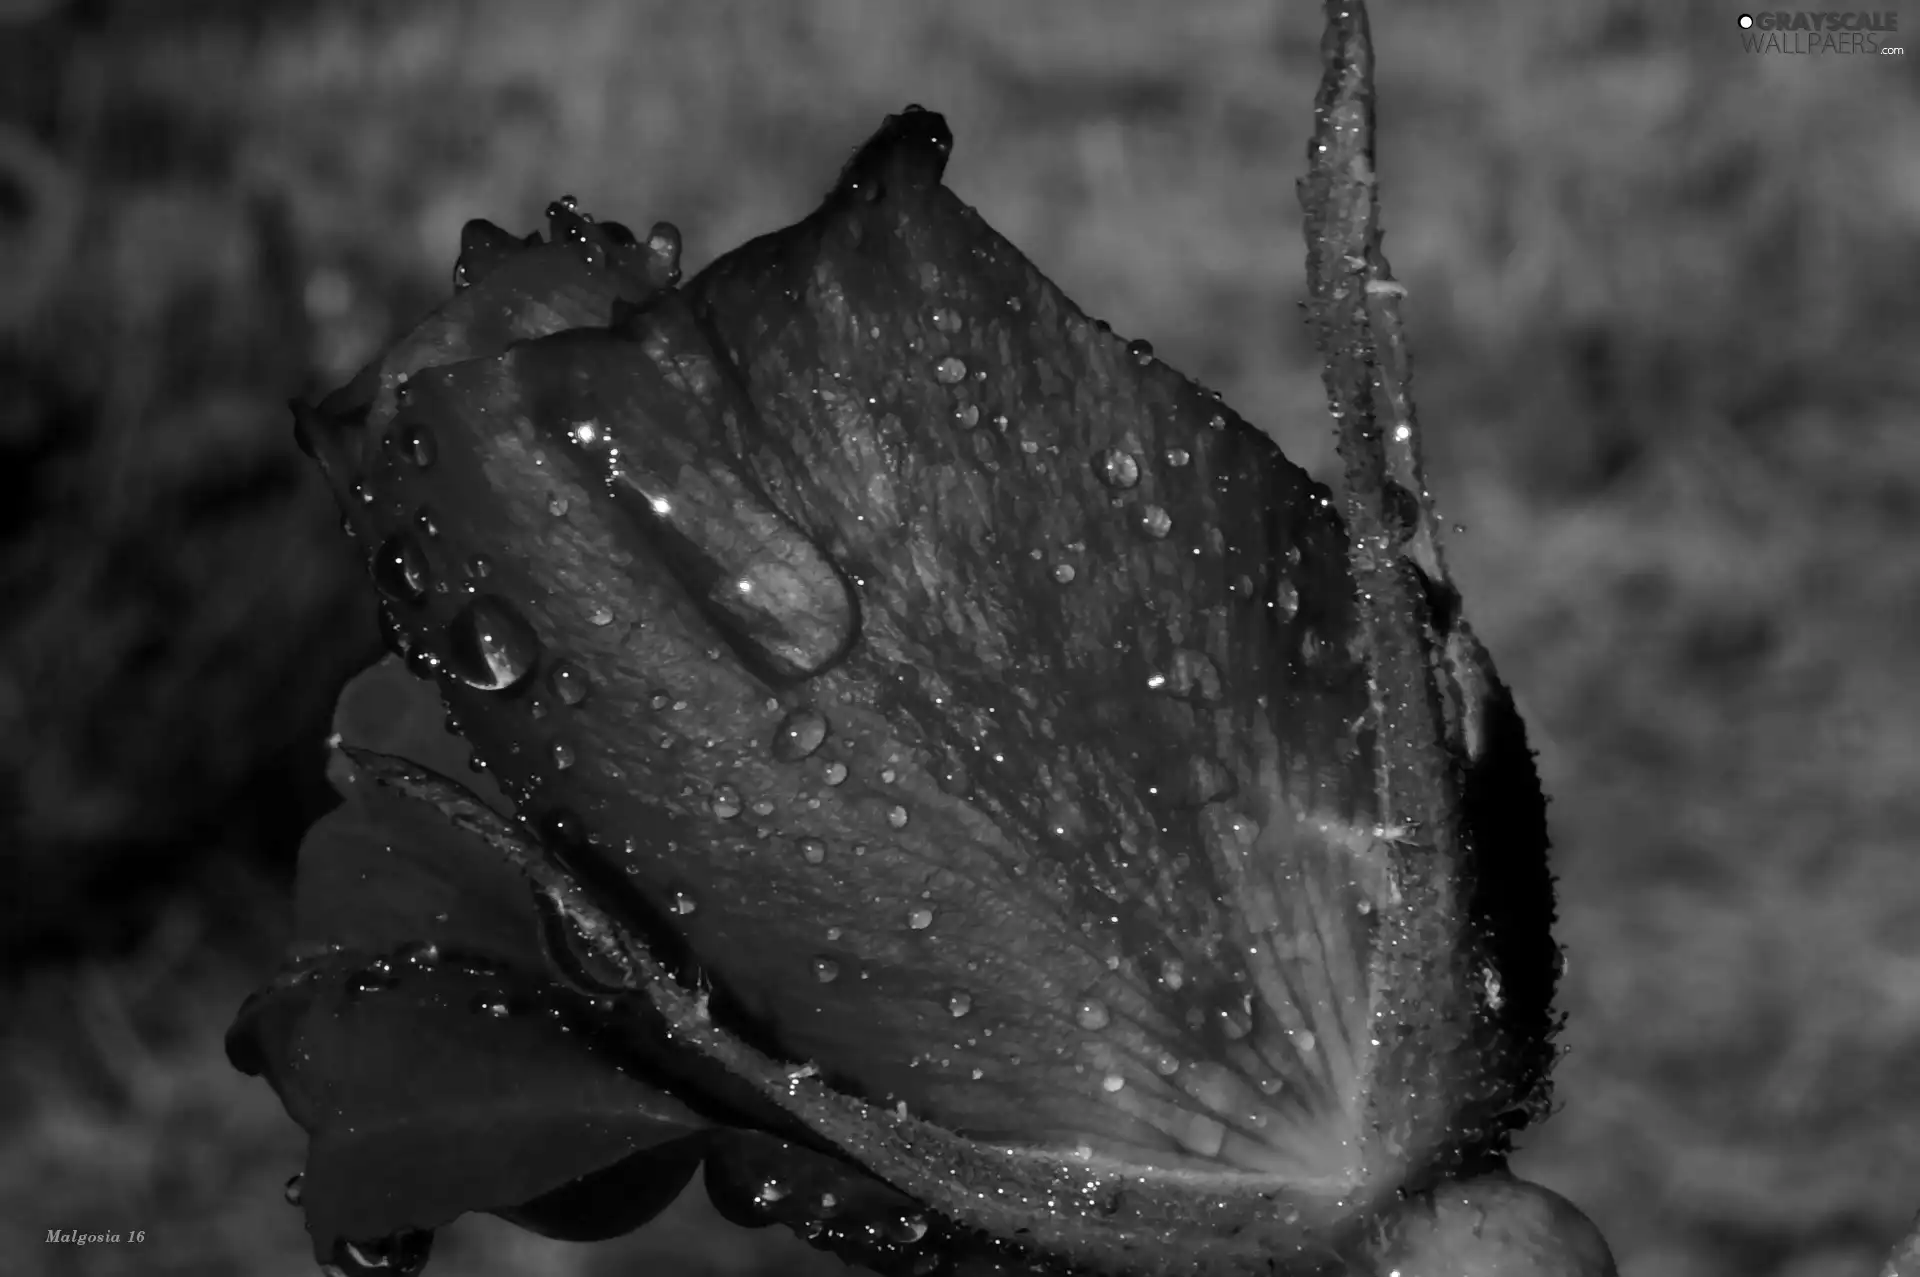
{"x":1664,"y":307}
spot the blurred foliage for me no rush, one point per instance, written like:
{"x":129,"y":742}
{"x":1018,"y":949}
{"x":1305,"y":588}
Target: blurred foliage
{"x":1662,"y":301}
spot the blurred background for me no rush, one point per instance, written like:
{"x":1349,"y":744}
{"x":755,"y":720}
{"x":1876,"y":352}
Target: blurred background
{"x":1664,"y":306}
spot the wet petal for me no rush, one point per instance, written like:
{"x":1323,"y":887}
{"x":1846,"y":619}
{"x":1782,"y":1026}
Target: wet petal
{"x":434,"y":1086}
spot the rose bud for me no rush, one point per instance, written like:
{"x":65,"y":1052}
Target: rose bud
{"x":937,"y":751}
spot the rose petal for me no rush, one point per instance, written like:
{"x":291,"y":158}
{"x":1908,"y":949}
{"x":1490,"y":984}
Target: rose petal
{"x":433,"y":1087}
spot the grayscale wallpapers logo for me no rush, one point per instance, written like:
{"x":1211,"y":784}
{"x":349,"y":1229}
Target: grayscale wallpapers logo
{"x":1873,"y":35}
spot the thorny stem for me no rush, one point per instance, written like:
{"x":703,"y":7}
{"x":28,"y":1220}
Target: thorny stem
{"x":1355,"y":311}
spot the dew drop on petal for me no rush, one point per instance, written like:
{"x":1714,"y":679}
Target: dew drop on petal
{"x":569,"y":682}
{"x":1091,"y":1014}
{"x":826,"y":970}
{"x":1112,"y":1082}
{"x":1155,"y":522}
{"x":1177,"y":457}
{"x":813,"y":851}
{"x":479,"y":567}
{"x":683,"y":903}
{"x":400,"y":568}
{"x":1141,"y":351}
{"x":1286,"y":599}
{"x":920,"y":918}
{"x":726,"y":802}
{"x":1063,"y":572}
{"x":600,"y":614}
{"x":292,"y":1192}
{"x":562,"y":755}
{"x":905,"y":1230}
{"x":1117,"y":468}
{"x":897,"y":816}
{"x":490,"y":645}
{"x":414,"y":441}
{"x":968,"y":415}
{"x":959,"y":1002}
{"x":949,"y":371}
{"x":799,"y":735}
{"x":1217,"y":422}
{"x":834,"y":772}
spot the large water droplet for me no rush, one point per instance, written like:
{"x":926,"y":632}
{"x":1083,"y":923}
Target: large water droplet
{"x":897,"y":816}
{"x":563,"y":756}
{"x":1063,"y":573}
{"x":1141,"y":351}
{"x":1155,"y":522}
{"x":490,"y":645}
{"x":813,"y":851}
{"x":1177,"y":457}
{"x":569,"y":682}
{"x":949,"y":371}
{"x":726,"y":802}
{"x":1091,"y":1014}
{"x":401,"y":1255}
{"x":834,"y":773}
{"x":799,"y":735}
{"x":953,"y":779}
{"x":905,"y":1230}
{"x":684,"y":904}
{"x":826,"y":970}
{"x":400,"y":568}
{"x":1117,"y":468}
{"x":959,"y":1002}
{"x":920,"y":918}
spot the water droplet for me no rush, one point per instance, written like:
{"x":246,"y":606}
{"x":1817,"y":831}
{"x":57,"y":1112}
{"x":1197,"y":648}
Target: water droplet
{"x":1217,"y":421}
{"x":968,"y":415}
{"x":490,"y":645}
{"x":1141,"y":351}
{"x":400,"y":568}
{"x":799,"y":735}
{"x":1155,"y":522}
{"x":813,"y":851}
{"x":1177,"y":457}
{"x":660,"y":700}
{"x":1000,"y":421}
{"x":1286,"y":599}
{"x":491,"y":1005}
{"x":726,"y":802}
{"x":897,"y":816}
{"x":404,"y":1254}
{"x":569,"y":682}
{"x":953,"y":779}
{"x":1013,"y":304}
{"x":1112,"y":1082}
{"x":1303,"y":1040}
{"x":834,"y":772}
{"x":562,"y":755}
{"x":1091,"y":1014}
{"x":905,"y":1230}
{"x":415,"y":442}
{"x":423,"y":518}
{"x":1117,"y":468}
{"x":684,"y":904}
{"x":1173,"y":973}
{"x":1245,"y":830}
{"x":600,"y":614}
{"x":959,"y":1002}
{"x":826,"y":970}
{"x":292,"y":1190}
{"x":556,"y":505}
{"x":949,"y":371}
{"x":920,"y":918}
{"x":946,"y":320}
{"x":479,"y":567}
{"x":888,"y":775}
{"x":771,"y":1191}
{"x":1063,"y":572}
